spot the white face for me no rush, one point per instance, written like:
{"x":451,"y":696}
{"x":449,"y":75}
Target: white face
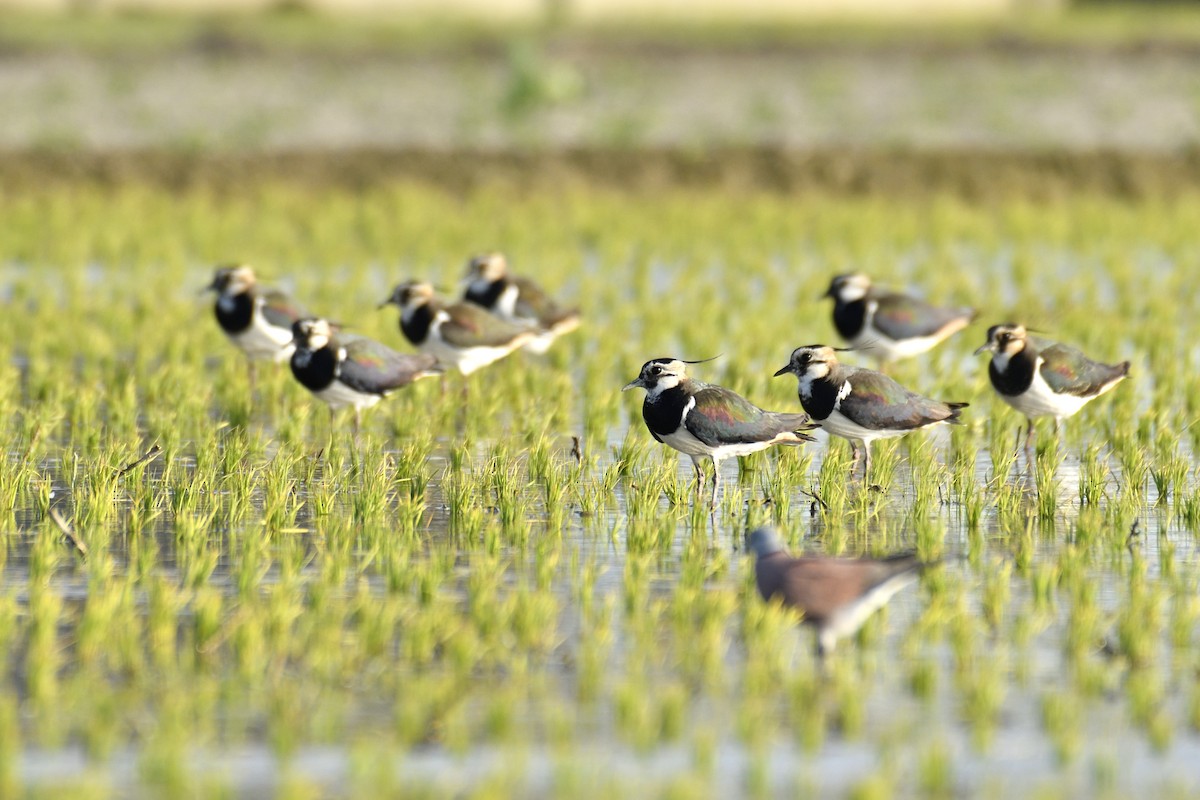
{"x":812,"y":362}
{"x":235,"y":280}
{"x":316,"y":333}
{"x":1005,"y":341}
{"x":659,"y":375}
{"x":849,"y":288}
{"x":490,"y":267}
{"x":416,"y":295}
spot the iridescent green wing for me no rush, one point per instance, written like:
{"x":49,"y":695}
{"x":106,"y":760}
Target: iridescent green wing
{"x":280,"y":310}
{"x":877,"y":402}
{"x":900,"y":316}
{"x":1068,"y":371}
{"x":533,"y":303}
{"x":721,"y":416}
{"x":474,"y":326}
{"x":373,"y":367}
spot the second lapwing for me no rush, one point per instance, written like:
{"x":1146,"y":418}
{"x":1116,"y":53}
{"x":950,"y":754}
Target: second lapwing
{"x":858,"y":404}
{"x":1041,"y":378}
{"x":834,"y":595}
{"x":347,"y":371}
{"x":256,"y":319}
{"x":702,"y":420}
{"x":461,"y":336}
{"x":517,"y":299}
{"x":890,"y":325}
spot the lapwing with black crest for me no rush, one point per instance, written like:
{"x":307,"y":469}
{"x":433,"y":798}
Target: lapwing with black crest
{"x":461,"y":336}
{"x":890,"y":325}
{"x":858,"y":404}
{"x":258,"y":320}
{"x":517,"y":299}
{"x":1042,"y":378}
{"x":348,"y":371}
{"x":702,"y":420}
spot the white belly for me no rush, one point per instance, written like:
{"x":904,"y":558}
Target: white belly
{"x":837,"y":424}
{"x":878,"y":346}
{"x":683,"y":441}
{"x":262,"y":341}
{"x":338,"y":395}
{"x":1040,"y":401}
{"x":465,"y":360}
{"x":884,"y":348}
{"x":506,"y":303}
{"x":541,"y":343}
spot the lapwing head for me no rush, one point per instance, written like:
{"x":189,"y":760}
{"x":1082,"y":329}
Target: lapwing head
{"x":232,"y":279}
{"x":812,"y":361}
{"x":488,"y":267}
{"x":659,"y":374}
{"x":848,"y":288}
{"x":312,"y":333}
{"x":410,"y":294}
{"x":1004,"y":340}
{"x":763,"y":542}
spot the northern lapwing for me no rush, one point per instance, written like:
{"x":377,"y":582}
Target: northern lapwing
{"x":1041,"y":378}
{"x":351,"y":371}
{"x":256,"y":319}
{"x":517,"y":299}
{"x":706,"y":421}
{"x":889,"y":325}
{"x":859,"y":404}
{"x":459,"y":335}
{"x":834,"y":595}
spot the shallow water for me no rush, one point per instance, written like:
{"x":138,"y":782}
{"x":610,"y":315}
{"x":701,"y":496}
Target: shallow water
{"x":617,"y":647}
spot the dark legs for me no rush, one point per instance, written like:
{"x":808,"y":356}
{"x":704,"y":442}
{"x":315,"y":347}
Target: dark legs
{"x":860,"y":450}
{"x":699,"y":476}
{"x":716,"y":480}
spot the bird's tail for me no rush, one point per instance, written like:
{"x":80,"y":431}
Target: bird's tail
{"x":906,"y":561}
{"x":797,"y":424}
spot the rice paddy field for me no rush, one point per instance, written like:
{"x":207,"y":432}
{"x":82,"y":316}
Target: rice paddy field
{"x":209,"y":593}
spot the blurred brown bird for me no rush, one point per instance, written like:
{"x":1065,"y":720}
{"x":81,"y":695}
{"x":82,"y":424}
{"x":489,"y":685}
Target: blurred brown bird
{"x":835,"y":595}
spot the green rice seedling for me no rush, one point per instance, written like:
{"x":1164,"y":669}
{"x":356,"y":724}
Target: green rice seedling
{"x":1145,"y":692}
{"x":1061,"y":717}
{"x":643,"y":495}
{"x":1047,"y":484}
{"x":470,"y":586}
{"x":936,"y":771}
{"x":1138,"y":619}
{"x":1002,"y":450}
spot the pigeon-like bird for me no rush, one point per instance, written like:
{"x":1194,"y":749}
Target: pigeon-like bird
{"x":835,"y":595}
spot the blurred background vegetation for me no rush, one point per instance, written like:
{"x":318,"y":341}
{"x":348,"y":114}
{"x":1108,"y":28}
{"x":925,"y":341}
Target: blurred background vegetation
{"x":971,"y":96}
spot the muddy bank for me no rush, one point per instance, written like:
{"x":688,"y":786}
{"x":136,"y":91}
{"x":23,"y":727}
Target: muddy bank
{"x":966,"y":173}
